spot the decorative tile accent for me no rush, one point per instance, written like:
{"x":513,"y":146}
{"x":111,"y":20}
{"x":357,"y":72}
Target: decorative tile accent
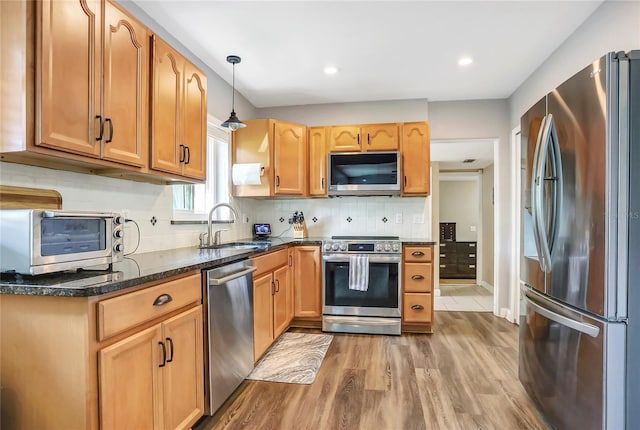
{"x":384,"y":220}
{"x":314,"y":219}
{"x":154,"y":220}
{"x":281,"y":219}
{"x":349,"y":219}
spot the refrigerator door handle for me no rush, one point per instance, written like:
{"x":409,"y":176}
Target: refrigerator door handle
{"x":585,"y":328}
{"x":535,"y":205}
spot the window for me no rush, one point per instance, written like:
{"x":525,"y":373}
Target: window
{"x":193,"y":201}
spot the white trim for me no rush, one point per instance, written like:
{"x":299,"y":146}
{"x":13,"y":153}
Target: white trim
{"x":487,"y":286}
{"x":515,"y":222}
{"x":497,"y":244}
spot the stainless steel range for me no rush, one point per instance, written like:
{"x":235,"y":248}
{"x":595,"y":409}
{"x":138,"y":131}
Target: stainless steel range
{"x":371,"y":303}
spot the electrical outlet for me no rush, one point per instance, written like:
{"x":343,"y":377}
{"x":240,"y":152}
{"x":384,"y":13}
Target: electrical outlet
{"x":245,"y":218}
{"x":473,"y":228}
{"x":418,"y":218}
{"x":399,"y":218}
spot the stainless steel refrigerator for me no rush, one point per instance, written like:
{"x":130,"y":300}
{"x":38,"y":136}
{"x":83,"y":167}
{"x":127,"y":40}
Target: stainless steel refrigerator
{"x":580,"y":268}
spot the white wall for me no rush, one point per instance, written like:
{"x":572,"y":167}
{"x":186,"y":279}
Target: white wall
{"x":351,"y":113}
{"x":459,"y":204}
{"x":614,"y":26}
{"x":143,"y":201}
{"x":487,"y":224}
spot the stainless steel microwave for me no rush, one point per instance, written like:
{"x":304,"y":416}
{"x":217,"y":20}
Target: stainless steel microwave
{"x":364,"y":173}
{"x":36,"y":241}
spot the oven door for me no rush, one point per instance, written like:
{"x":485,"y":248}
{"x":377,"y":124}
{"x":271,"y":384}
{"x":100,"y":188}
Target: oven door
{"x":382,"y":298}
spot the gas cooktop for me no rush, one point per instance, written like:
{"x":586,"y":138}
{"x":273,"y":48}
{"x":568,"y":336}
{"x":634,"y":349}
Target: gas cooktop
{"x":365,"y":237}
{"x":363,"y":245}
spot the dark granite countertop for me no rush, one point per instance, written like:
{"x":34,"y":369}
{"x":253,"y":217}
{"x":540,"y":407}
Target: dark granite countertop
{"x":141,"y":268}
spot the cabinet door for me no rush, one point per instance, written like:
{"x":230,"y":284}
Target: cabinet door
{"x":263,"y":290}
{"x":131,"y":381}
{"x":317,"y":161}
{"x":416,"y":158}
{"x":126,"y":82}
{"x":289,"y":158}
{"x":380,"y":137}
{"x":281,"y":301}
{"x":195,"y":122}
{"x":71,"y":67}
{"x":307,"y":280}
{"x":184,"y":372}
{"x":166,"y":154}
{"x":345,"y":139}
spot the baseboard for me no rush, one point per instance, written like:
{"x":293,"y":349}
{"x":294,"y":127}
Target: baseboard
{"x":506,"y":314}
{"x":487,"y":286}
{"x":436,"y":292}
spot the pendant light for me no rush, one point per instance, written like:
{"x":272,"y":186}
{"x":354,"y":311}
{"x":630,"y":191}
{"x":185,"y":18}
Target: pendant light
{"x":233,"y":123}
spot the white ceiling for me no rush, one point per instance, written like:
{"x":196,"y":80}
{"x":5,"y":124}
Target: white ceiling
{"x":385,"y":50}
{"x":450,"y":154}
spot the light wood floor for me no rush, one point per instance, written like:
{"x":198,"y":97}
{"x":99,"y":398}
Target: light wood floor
{"x":464,"y":376}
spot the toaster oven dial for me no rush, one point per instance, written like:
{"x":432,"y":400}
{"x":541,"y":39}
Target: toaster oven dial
{"x":118,"y":220}
{"x":118,"y":234}
{"x":118,"y":248}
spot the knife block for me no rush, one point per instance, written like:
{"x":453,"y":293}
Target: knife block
{"x":300,"y":230}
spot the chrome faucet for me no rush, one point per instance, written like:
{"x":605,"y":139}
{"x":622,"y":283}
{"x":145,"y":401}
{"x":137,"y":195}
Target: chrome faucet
{"x":216,"y":238}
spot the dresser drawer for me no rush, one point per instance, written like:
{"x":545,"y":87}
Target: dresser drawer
{"x":124,"y":312}
{"x":466,"y":247}
{"x":418,"y":254}
{"x":448,"y":268}
{"x":416,"y":308}
{"x":466,"y":269}
{"x":417,"y":277}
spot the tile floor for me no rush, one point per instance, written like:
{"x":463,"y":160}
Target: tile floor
{"x":463,"y":297}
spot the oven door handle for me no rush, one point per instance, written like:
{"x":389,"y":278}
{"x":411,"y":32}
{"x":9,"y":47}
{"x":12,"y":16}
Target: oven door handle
{"x":372,"y":259}
{"x":56,"y":214}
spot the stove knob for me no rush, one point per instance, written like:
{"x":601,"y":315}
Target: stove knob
{"x":396,"y":247}
{"x":387,"y":247}
{"x":378,"y":247}
{"x":335,"y":246}
{"x":343,"y":247}
{"x":327,"y":247}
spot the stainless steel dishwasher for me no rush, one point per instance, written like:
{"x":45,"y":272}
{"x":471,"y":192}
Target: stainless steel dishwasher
{"x":230,"y":314}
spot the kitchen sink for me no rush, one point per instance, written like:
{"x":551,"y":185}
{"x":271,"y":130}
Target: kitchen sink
{"x":238,"y":245}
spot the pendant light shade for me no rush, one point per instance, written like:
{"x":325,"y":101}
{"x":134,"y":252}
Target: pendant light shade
{"x":233,"y":123}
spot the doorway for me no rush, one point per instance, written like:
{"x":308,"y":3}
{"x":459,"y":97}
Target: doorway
{"x":464,"y":220}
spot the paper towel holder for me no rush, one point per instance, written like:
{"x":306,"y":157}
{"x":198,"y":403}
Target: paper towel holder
{"x":261,"y":174}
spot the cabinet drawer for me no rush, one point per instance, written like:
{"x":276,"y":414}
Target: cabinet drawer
{"x":448,"y":258}
{"x":419,"y":254}
{"x":446,"y":269}
{"x":271,"y":261}
{"x":466,"y":247}
{"x":121,"y":313}
{"x":416,"y":307}
{"x":417,"y":277}
{"x":467,"y":269}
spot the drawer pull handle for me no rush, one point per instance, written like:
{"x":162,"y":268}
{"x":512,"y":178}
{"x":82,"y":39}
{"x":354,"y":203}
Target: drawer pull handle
{"x":443,"y":265}
{"x":164,"y":354}
{"x":472,"y":245}
{"x":162,"y":299}
{"x":472,"y":266}
{"x":443,"y":255}
{"x":170,"y":342}
{"x":472,"y":255}
{"x":417,"y":253}
{"x":417,"y":277}
{"x":417,"y":307}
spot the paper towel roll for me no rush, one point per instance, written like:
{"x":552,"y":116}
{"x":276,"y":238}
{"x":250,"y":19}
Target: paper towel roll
{"x":246,"y":173}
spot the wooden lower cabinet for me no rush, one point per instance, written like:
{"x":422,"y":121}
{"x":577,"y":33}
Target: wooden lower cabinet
{"x":272,"y":299}
{"x":307,"y":281}
{"x":58,"y":372}
{"x":417,"y":287}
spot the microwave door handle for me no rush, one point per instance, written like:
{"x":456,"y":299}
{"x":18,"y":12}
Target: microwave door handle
{"x":59,"y":214}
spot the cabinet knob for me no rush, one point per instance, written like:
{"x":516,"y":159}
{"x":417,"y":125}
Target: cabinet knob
{"x":417,"y":307}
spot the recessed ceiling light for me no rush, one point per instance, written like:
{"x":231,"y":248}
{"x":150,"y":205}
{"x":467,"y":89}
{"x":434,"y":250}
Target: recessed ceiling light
{"x":330,"y":70}
{"x":465,"y":61}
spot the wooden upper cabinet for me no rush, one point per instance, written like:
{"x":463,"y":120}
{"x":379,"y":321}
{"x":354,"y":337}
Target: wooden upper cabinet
{"x":290,"y":158}
{"x":345,"y":139}
{"x":195,"y":122}
{"x":281,"y":148}
{"x":71,"y":67}
{"x":94,"y":81}
{"x":370,"y":137}
{"x":380,"y":137}
{"x":416,"y":158}
{"x":126,"y":83}
{"x":178,"y":113}
{"x":318,"y":161}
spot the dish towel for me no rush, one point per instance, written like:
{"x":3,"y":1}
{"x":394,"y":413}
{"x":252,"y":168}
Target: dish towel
{"x":359,"y":272}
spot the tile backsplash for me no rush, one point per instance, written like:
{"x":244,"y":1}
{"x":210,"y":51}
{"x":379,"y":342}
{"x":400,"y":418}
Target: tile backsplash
{"x":151,"y":207}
